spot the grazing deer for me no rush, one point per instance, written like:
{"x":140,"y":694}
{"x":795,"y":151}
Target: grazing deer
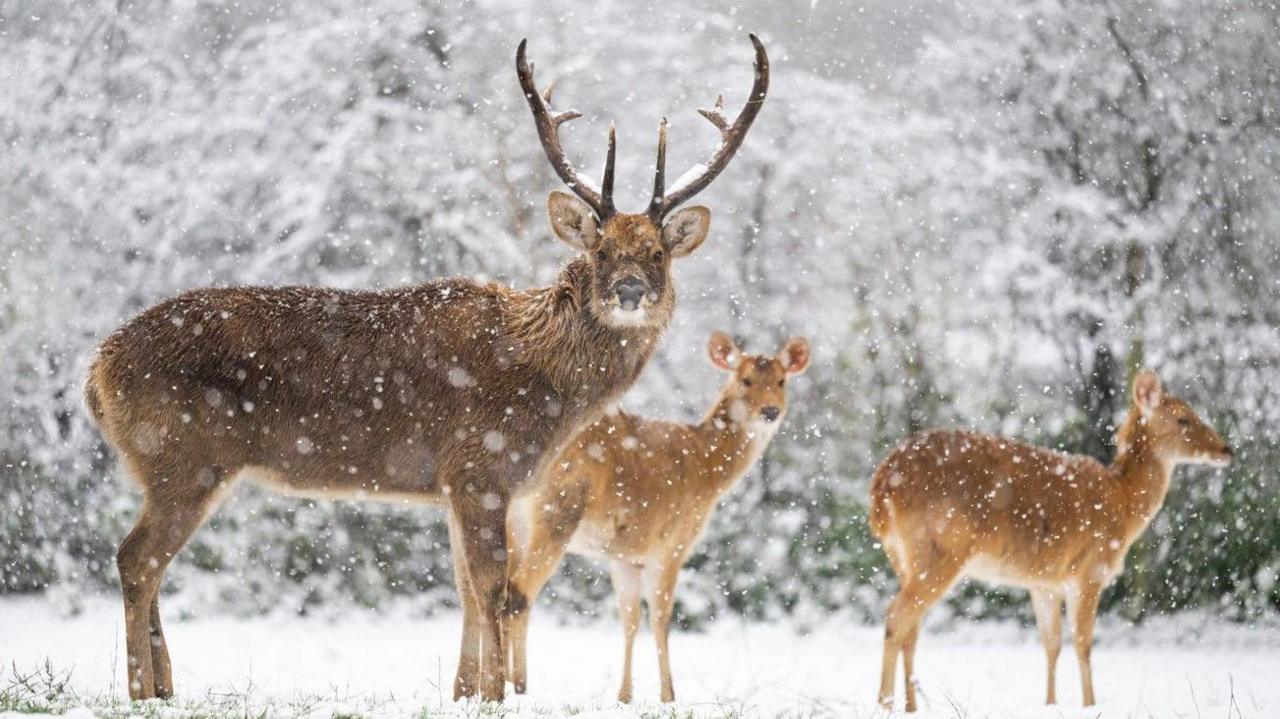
{"x":638,"y":492}
{"x":451,"y":392}
{"x":948,"y":504}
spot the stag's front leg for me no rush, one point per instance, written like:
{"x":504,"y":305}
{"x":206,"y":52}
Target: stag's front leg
{"x":481,"y":518}
{"x":467,"y":681}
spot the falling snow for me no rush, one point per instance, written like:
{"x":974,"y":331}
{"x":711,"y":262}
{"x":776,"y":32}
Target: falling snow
{"x":984,"y":216}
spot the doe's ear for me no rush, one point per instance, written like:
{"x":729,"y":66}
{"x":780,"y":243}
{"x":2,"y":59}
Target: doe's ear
{"x":722,"y":350}
{"x":795,"y":355}
{"x":573,"y":221}
{"x":1147,"y":392}
{"x":686,"y":230}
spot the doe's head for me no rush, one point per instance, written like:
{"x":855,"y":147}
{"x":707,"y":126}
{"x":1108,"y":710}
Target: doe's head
{"x":757,"y":386}
{"x":1177,"y":433}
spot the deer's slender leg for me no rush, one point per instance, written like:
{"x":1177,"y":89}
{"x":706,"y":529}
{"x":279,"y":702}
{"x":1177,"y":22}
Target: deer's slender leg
{"x":161,"y":667}
{"x":922,"y":586}
{"x":530,"y":567}
{"x":481,"y":519}
{"x":1084,"y":610}
{"x":467,"y":681}
{"x":176,"y":504}
{"x":625,"y":577}
{"x":661,"y":591}
{"x":908,"y":666}
{"x":1048,"y":608}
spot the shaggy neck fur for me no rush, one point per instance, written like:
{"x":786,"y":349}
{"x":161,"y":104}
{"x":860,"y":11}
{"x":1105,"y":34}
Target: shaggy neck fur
{"x":584,"y":359}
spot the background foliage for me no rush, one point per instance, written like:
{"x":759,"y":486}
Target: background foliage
{"x":982,"y":218}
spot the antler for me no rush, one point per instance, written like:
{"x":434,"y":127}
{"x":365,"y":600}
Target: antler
{"x":548,"y":125}
{"x":731,"y":137}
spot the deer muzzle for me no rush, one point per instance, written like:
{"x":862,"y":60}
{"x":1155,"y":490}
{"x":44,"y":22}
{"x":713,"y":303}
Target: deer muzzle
{"x":630,"y":292}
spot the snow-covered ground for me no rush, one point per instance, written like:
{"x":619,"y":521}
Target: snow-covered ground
{"x":393,"y":664}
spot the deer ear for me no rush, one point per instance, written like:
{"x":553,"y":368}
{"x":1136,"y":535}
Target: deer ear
{"x":572,"y":221}
{"x":686,"y":230}
{"x":795,"y":355}
{"x":1147,"y":392}
{"x":722,"y":350}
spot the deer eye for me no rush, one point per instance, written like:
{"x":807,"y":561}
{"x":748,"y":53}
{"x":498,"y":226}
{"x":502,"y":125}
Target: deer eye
{"x":602,"y":255}
{"x":781,"y":382}
{"x":1185,"y":422}
{"x":657,"y":256}
{"x":746,"y":381}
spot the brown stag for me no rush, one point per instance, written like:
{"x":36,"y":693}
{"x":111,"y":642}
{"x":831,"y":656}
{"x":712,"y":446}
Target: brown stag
{"x":450,"y":392}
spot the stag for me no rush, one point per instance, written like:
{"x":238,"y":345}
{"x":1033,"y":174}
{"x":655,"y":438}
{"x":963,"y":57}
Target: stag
{"x":451,"y":392}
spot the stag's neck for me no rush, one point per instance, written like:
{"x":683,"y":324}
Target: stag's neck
{"x":1140,"y":477}
{"x":731,"y":445}
{"x":585,"y":359}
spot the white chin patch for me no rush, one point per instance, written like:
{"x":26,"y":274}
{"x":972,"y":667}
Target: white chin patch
{"x":762,"y":430}
{"x":628,"y":318}
{"x":1218,"y":462}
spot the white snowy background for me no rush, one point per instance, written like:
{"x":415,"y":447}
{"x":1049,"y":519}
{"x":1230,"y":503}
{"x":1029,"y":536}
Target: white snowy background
{"x":982,"y":215}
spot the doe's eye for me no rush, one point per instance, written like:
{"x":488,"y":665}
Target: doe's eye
{"x":1185,"y":422}
{"x":657,"y":256}
{"x":781,"y":382}
{"x":746,"y":381}
{"x":601,"y":255}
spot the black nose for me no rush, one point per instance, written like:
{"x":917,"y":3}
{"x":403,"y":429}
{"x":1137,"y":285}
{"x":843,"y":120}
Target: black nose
{"x":1227,"y":451}
{"x":770,"y":413}
{"x":630,"y":291}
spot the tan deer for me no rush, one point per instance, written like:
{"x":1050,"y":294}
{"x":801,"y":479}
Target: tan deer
{"x":638,"y":492}
{"x":951,"y":504}
{"x":451,"y":392}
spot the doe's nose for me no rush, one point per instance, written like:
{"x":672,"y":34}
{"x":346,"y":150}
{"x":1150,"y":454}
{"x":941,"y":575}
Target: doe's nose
{"x":630,"y":291}
{"x":770,"y":413}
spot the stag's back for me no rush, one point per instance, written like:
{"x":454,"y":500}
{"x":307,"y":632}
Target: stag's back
{"x":336,"y":389}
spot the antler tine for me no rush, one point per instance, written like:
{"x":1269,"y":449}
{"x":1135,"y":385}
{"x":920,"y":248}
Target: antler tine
{"x":659,"y":175}
{"x":548,"y":127}
{"x":731,"y":136}
{"x":716,"y":116}
{"x":606,"y":185}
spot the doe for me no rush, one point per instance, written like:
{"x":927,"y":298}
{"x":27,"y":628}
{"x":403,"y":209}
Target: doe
{"x":638,"y":492}
{"x":948,"y":504}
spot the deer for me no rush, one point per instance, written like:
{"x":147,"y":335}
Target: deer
{"x":948,"y":504}
{"x":451,"y":392}
{"x":638,"y":493}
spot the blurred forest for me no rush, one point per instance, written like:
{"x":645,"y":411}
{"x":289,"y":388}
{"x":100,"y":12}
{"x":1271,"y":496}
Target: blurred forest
{"x":981,"y":217}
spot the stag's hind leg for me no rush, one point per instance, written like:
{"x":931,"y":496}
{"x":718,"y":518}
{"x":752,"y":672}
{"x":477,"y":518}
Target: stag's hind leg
{"x":930,"y":574}
{"x":177,"y":501}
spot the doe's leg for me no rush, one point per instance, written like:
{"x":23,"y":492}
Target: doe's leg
{"x":661,"y":591}
{"x":1048,"y":608}
{"x":626,"y":585}
{"x":168,"y":518}
{"x":921,"y":587}
{"x":529,"y":567}
{"x":1084,"y":606}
